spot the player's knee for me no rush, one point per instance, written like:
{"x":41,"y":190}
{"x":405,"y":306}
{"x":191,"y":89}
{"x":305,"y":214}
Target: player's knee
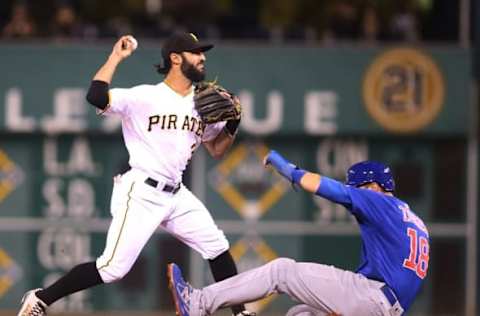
{"x":112,"y":273}
{"x":302,"y":310}
{"x":282,"y":268}
{"x":220,"y":247}
{"x":283,"y":263}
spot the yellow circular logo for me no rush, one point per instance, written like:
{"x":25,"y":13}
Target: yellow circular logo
{"x":403,"y":90}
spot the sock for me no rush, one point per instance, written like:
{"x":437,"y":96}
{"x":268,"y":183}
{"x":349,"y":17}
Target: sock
{"x":223,"y":267}
{"x":81,"y":277}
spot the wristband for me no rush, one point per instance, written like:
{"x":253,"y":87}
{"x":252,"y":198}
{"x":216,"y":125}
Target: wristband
{"x":285,"y":167}
{"x":297,"y":175}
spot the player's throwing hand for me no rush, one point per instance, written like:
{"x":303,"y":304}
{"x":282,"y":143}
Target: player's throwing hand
{"x":153,"y":176}
{"x":124,"y":47}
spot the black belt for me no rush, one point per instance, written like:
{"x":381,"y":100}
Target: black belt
{"x":389,"y":294}
{"x":167,"y":188}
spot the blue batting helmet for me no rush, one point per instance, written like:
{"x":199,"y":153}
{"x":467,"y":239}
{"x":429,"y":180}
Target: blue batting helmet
{"x":370,"y":171}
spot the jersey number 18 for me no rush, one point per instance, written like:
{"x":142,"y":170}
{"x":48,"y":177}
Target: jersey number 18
{"x":417,"y":261}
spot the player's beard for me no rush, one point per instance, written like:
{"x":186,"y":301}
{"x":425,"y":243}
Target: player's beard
{"x":191,"y":72}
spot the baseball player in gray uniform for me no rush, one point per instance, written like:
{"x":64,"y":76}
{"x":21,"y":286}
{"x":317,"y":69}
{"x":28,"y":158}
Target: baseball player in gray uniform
{"x":161,"y":130}
{"x":394,"y":257}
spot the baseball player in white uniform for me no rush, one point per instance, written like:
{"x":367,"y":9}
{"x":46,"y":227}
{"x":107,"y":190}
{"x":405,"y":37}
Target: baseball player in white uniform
{"x":161,"y":130}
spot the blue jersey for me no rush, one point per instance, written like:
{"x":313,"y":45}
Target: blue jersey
{"x":395,"y":241}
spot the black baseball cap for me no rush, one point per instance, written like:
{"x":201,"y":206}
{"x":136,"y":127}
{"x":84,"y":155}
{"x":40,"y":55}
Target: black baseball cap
{"x":181,"y":42}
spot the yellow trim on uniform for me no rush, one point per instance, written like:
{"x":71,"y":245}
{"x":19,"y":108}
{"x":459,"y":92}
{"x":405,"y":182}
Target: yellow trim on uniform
{"x":121,"y":229}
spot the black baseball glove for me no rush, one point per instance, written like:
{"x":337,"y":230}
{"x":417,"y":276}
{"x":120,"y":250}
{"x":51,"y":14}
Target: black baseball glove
{"x":215,"y":103}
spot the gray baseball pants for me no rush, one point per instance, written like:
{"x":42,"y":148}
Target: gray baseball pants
{"x":322,"y":289}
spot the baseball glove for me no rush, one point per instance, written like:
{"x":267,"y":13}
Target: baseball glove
{"x":215,"y":103}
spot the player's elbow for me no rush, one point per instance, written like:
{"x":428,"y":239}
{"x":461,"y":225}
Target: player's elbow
{"x":97,"y":94}
{"x":220,"y":150}
{"x":215,"y":149}
{"x":217,"y":155}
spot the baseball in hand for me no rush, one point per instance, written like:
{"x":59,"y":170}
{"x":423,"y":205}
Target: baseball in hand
{"x":133,"y":41}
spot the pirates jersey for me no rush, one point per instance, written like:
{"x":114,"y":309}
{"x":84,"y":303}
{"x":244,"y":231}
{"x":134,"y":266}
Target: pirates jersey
{"x":160,"y":127}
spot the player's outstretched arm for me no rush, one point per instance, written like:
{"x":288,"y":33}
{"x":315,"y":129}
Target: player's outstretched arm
{"x":121,"y":50}
{"x":97,"y":94}
{"x":306,"y":180}
{"x":309,"y":181}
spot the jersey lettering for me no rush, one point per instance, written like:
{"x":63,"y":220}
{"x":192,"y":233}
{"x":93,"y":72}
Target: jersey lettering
{"x":191,"y":124}
{"x":163,"y":121}
{"x":418,"y":245}
{"x":156,"y":119}
{"x":152,"y":120}
{"x":172,"y":121}
{"x":410,"y":217}
{"x":200,"y":129}
{"x":186,"y":124}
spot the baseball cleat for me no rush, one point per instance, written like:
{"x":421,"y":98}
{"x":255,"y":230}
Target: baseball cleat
{"x":180,"y":290}
{"x":32,"y":305}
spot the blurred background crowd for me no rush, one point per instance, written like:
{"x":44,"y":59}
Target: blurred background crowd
{"x":311,"y":21}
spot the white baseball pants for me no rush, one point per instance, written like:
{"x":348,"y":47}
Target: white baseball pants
{"x":138,"y":209}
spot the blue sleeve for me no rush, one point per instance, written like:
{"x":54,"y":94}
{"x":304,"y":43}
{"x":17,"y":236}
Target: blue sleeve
{"x":362,"y":203}
{"x":334,"y":191}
